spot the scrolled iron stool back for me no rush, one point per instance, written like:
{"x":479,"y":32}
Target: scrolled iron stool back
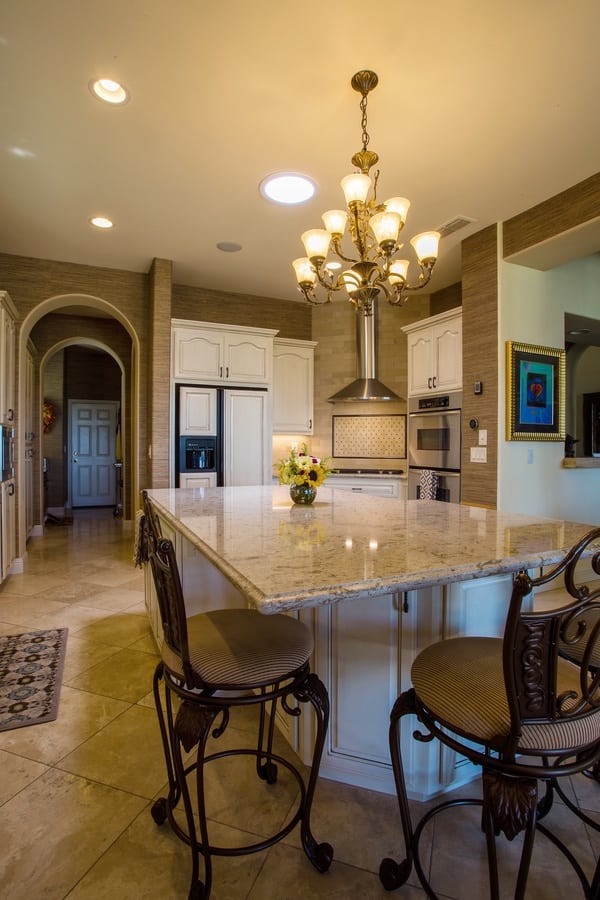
{"x":517,"y":707}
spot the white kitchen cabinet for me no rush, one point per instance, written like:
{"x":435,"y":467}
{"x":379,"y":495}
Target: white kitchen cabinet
{"x":197,"y":411}
{"x":194,"y":480}
{"x":293,"y":386}
{"x":435,"y":354}
{"x":377,"y":485}
{"x":364,"y":650}
{"x":220,"y":354}
{"x":248,"y":444}
{"x":8,"y":504}
{"x":8,"y":315}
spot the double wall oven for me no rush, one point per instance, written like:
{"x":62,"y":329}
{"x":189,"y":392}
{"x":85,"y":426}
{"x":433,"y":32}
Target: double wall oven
{"x":434,"y":444}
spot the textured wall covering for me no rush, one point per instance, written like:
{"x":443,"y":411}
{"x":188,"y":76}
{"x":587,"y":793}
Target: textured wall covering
{"x":480,"y":363}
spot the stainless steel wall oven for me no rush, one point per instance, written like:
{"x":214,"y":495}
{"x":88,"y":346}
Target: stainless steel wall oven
{"x":434,"y":436}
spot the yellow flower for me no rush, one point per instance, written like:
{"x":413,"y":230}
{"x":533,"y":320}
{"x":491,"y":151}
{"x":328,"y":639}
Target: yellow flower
{"x":302,"y":468}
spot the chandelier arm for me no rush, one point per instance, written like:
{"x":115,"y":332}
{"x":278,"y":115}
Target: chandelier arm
{"x":398,"y":297}
{"x":337,"y":249}
{"x":311,"y":297}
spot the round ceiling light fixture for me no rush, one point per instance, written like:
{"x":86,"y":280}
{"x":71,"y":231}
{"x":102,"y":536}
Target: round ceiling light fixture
{"x":229,"y":246}
{"x":288,"y":188}
{"x":110,"y":91}
{"x":101,"y":222}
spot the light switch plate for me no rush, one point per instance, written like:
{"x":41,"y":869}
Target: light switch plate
{"x":479,"y":454}
{"x":483,"y":437}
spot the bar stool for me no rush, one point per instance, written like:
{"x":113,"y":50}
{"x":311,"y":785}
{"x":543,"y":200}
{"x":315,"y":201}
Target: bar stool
{"x":517,"y":709}
{"x":209,"y":664}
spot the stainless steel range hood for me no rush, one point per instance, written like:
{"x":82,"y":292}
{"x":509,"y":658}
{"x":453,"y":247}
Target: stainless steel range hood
{"x":367,"y":386}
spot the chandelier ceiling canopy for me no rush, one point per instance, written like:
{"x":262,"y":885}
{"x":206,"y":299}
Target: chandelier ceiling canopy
{"x":374,"y":229}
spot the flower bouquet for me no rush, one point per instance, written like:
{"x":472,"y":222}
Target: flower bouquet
{"x":304,"y":473}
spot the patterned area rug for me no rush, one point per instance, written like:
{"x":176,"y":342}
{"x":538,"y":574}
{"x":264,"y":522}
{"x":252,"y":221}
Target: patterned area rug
{"x":31,"y":667}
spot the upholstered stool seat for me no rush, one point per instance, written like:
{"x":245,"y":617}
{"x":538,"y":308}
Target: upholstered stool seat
{"x":519,"y":710}
{"x":211,"y":663}
{"x":483,"y":715}
{"x":242,"y":648}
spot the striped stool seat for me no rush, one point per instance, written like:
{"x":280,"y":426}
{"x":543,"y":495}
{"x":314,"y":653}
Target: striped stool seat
{"x":483,"y":715}
{"x":240,"y":648}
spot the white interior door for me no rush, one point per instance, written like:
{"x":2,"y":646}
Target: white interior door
{"x":93,"y":428}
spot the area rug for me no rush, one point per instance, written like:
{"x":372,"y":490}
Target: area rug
{"x":31,"y":667}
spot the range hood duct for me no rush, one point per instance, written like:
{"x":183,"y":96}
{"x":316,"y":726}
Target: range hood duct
{"x":367,"y":386}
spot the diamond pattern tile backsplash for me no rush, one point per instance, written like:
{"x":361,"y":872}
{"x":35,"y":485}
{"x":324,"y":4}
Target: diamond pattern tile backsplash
{"x":369,"y":437}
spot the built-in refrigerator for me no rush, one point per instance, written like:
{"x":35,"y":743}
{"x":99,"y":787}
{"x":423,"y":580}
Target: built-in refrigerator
{"x":223,"y":436}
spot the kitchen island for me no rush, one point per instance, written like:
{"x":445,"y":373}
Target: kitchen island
{"x":376,"y":579}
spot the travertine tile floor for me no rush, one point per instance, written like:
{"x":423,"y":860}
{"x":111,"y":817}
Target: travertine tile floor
{"x":75,"y":794}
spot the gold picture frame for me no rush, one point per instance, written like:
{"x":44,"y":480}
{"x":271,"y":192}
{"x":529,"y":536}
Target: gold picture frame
{"x":535,"y":393}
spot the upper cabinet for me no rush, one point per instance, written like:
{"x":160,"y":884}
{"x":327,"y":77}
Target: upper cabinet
{"x":8,"y":316}
{"x":218,"y":354}
{"x":435,"y":354}
{"x":293,"y":386}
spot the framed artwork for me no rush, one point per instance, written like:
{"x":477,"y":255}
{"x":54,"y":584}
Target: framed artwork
{"x":535,"y":393}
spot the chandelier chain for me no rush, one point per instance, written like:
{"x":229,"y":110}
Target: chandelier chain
{"x":365,"y":133}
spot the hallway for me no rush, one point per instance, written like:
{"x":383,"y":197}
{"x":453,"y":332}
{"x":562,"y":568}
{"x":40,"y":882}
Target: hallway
{"x":75,"y":794}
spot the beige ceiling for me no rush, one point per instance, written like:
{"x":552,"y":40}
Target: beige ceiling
{"x":483,"y":109}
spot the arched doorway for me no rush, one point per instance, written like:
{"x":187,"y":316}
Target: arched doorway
{"x":84,"y":383}
{"x":77,"y":320}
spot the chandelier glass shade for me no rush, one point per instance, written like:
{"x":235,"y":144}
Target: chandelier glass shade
{"x":374,"y":229}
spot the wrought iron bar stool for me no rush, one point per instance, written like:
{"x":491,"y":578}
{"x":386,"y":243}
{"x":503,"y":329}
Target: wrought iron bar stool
{"x":515,"y":707}
{"x":209,"y":664}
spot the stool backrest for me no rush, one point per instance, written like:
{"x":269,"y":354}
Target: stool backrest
{"x":532,"y":641}
{"x":167,"y":582}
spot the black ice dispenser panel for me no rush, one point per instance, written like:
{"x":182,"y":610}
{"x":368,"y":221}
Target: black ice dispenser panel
{"x":197,"y":454}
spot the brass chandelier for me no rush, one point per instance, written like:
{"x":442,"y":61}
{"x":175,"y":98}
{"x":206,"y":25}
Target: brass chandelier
{"x":374,"y":230}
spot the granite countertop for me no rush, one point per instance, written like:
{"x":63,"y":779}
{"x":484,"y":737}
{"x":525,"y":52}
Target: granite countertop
{"x":284,"y":557}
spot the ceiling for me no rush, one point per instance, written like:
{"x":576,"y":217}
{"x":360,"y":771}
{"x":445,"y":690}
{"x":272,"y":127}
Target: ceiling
{"x":482,"y":110}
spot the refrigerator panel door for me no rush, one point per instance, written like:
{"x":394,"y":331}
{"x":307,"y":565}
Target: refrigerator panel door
{"x":247,"y":438}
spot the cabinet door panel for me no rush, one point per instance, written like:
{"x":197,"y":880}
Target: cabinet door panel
{"x":197,"y":411}
{"x":447,"y":343}
{"x":360,"y":638}
{"x":248,"y":360}
{"x":293,"y":390}
{"x":248,"y":450}
{"x":197,"y":354}
{"x":420,"y":363}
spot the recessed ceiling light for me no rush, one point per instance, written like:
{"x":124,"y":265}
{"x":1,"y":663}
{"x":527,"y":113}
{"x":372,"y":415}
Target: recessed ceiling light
{"x":229,"y":246}
{"x":108,"y":90}
{"x":288,"y":188}
{"x":579,"y":331}
{"x":101,"y":222}
{"x":333,"y":265}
